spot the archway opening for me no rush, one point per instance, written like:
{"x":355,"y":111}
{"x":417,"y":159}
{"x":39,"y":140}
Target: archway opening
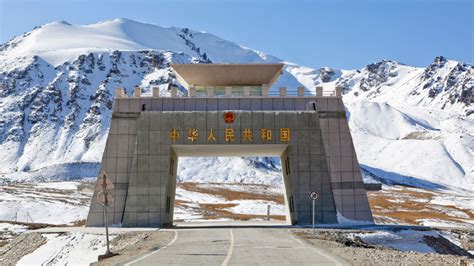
{"x":236,"y":185}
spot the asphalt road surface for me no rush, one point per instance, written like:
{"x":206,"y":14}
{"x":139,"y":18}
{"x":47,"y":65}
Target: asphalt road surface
{"x":237,"y":246}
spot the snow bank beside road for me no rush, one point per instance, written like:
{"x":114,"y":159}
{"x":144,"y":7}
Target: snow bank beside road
{"x":404,"y":240}
{"x":69,"y":249}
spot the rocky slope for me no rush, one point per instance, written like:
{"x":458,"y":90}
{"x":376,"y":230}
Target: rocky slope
{"x":410,"y":125}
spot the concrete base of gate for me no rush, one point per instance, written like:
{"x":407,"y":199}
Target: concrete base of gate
{"x":231,"y":224}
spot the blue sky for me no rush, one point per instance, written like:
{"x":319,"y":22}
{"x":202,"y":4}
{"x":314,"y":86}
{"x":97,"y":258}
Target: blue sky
{"x":336,"y":33}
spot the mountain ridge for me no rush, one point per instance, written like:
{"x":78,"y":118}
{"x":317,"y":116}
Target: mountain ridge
{"x":56,"y":99}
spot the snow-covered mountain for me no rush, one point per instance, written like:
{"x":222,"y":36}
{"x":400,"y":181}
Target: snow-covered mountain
{"x":411,"y":125}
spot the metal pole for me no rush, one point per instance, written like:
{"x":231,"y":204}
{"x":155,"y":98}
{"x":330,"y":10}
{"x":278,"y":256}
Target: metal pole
{"x":268,"y":212}
{"x":105,"y":214}
{"x":28,"y":216}
{"x":313,"y":215}
{"x":106,"y":230}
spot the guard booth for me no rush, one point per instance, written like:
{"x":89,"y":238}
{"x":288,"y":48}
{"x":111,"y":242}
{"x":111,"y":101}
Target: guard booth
{"x":228,"y":111}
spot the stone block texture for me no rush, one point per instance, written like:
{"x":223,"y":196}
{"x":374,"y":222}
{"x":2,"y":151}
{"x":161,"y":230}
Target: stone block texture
{"x":140,"y":159}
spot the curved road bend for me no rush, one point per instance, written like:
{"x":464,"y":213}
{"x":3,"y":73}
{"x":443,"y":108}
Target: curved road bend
{"x":237,"y":246}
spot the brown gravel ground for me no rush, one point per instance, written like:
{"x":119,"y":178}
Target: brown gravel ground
{"x":230,"y":194}
{"x":405,"y":205}
{"x":20,"y":246}
{"x":134,"y":244}
{"x":359,"y":253}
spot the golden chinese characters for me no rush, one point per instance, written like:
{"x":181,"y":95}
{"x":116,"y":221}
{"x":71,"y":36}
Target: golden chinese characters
{"x":247,"y":134}
{"x":266,"y":135}
{"x":174,"y":135}
{"x":211,"y":136}
{"x":285,"y":135}
{"x":229,"y":135}
{"x":193,"y":134}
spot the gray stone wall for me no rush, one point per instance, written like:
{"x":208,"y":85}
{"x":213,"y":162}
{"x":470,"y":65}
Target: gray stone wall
{"x":140,"y":159}
{"x":117,"y":162}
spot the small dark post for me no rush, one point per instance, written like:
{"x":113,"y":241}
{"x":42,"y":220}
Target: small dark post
{"x":105,"y":199}
{"x":104,"y":190}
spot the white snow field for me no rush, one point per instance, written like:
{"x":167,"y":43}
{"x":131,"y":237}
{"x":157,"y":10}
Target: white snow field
{"x":403,"y":240}
{"x":407,"y":145}
{"x":50,"y":203}
{"x":67,"y":249}
{"x":68,"y":202}
{"x":193,"y":206}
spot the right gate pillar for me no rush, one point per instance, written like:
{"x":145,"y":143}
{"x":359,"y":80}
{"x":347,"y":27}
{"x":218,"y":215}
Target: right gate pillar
{"x":348,"y":188}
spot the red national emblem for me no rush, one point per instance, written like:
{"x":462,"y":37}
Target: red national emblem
{"x":229,"y":117}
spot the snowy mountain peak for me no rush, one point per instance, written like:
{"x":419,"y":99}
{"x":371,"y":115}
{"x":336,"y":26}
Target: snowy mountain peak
{"x":381,"y":65}
{"x":57,"y":85}
{"x":58,"y":22}
{"x":60,"y":41}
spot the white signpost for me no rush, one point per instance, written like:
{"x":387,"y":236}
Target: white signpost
{"x":313,"y":196}
{"x":105,"y":198}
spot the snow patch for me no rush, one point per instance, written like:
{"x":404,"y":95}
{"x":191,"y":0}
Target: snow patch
{"x":346,"y":221}
{"x":69,"y":249}
{"x":403,"y":240}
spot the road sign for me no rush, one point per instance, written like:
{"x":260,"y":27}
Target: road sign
{"x":99,"y":186}
{"x":105,"y":198}
{"x":313,"y":195}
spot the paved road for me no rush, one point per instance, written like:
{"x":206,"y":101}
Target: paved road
{"x":237,"y":246}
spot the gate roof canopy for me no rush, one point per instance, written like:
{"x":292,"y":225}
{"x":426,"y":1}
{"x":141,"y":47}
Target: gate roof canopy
{"x":227,"y":74}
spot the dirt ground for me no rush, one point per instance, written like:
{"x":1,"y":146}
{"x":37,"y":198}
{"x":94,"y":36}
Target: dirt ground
{"x":359,"y":253}
{"x":214,"y":211}
{"x":231,"y":195}
{"x":406,"y":205}
{"x":20,"y":246}
{"x":134,"y":244}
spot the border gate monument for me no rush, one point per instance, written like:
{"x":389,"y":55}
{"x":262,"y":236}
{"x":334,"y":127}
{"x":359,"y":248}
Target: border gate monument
{"x":228,"y":111}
